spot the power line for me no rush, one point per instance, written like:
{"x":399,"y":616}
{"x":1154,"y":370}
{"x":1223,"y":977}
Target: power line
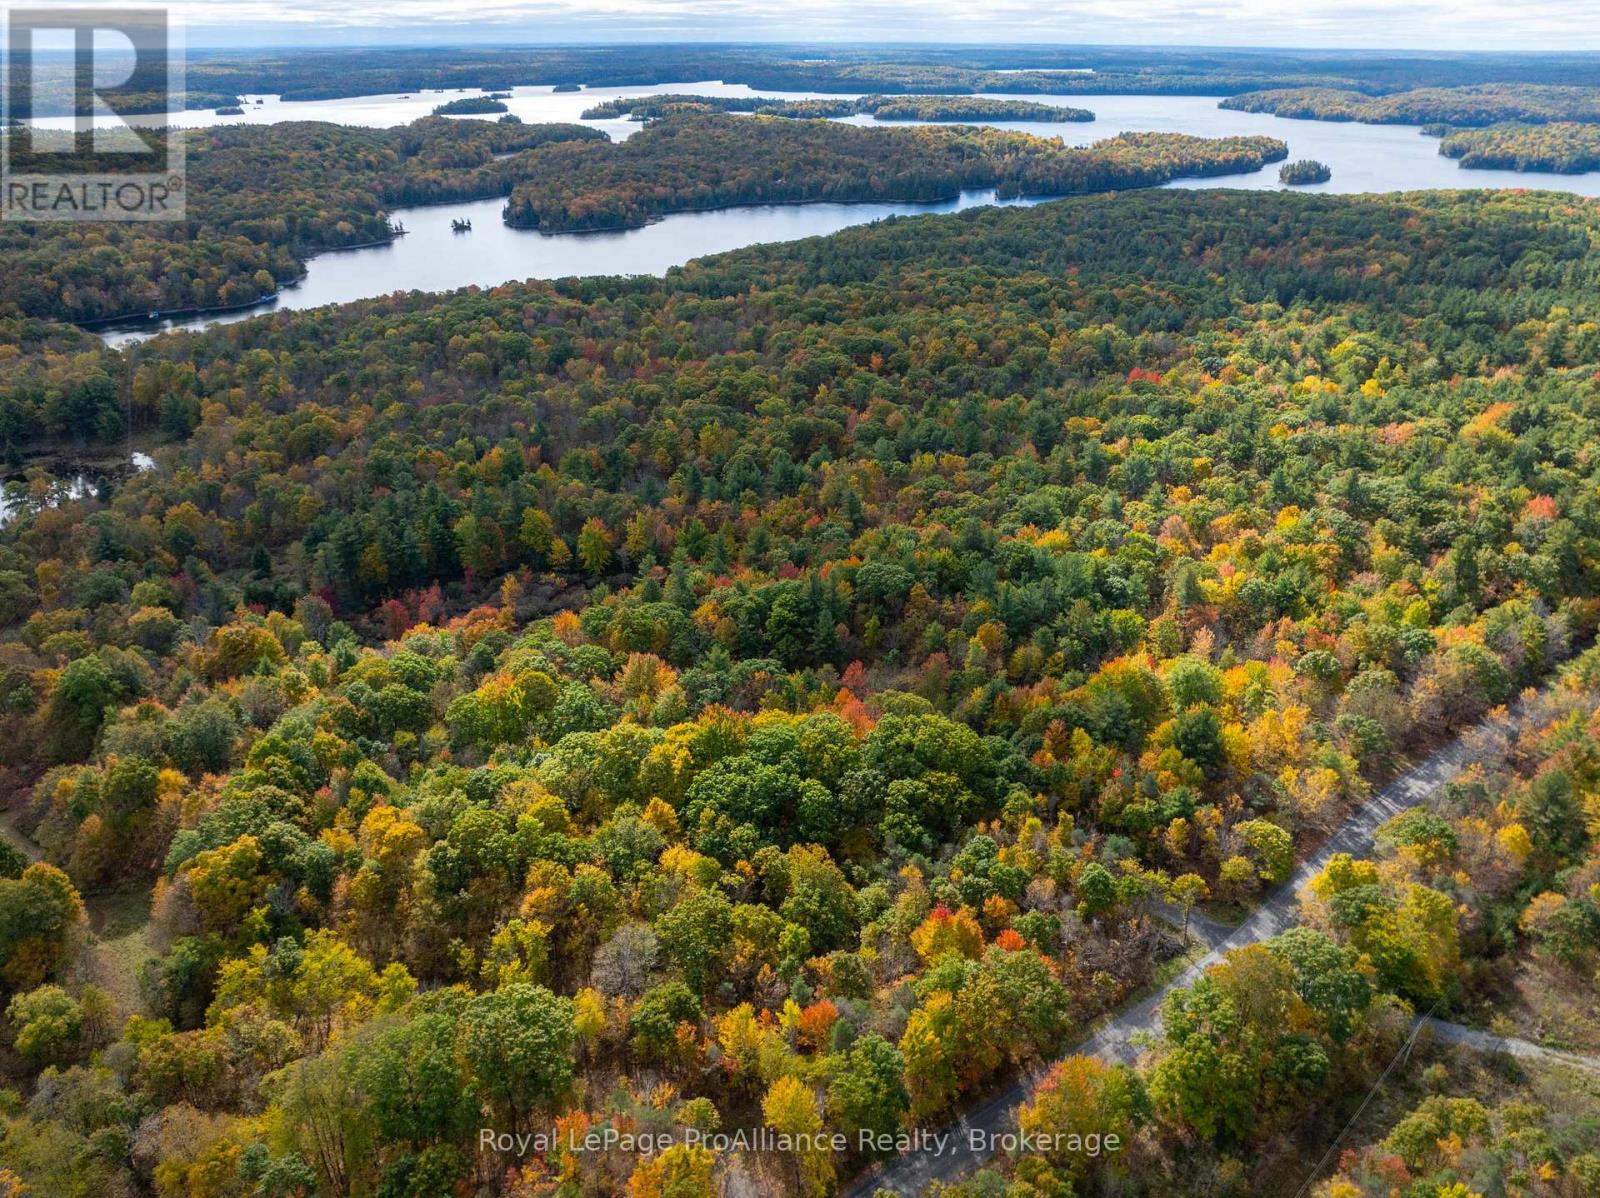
{"x":1404,"y":1051}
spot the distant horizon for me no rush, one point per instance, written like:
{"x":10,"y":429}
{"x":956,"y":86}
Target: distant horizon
{"x":1442,"y":26}
{"x":399,"y":39}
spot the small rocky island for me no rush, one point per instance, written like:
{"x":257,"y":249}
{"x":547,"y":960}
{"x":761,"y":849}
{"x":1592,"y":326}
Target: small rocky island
{"x":1307,"y":170}
{"x":473,"y":105}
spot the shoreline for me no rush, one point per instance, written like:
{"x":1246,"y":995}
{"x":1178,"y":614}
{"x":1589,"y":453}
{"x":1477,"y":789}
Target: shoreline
{"x":134,"y":322}
{"x":1043,"y":197}
{"x":105,"y":323}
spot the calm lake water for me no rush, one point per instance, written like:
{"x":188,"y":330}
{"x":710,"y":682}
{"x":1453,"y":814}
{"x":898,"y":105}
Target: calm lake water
{"x":432,"y":257}
{"x":1363,"y":158}
{"x":533,"y":104}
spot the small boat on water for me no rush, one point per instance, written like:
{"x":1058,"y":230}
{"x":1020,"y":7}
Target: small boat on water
{"x":461,"y":226}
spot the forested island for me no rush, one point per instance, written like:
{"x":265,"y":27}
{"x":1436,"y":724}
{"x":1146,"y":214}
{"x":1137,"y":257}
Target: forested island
{"x":1563,"y":148}
{"x":883,"y":108}
{"x":653,"y":107}
{"x":472,"y":106}
{"x":806,"y":691}
{"x":969,"y":108}
{"x":1304,"y":171}
{"x":703,"y":160}
{"x":1480,"y":104}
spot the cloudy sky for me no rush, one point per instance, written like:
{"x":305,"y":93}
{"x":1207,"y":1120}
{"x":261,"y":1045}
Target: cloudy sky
{"x":1390,"y":24}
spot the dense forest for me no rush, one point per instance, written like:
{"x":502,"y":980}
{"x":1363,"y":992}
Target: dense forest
{"x":309,"y":74}
{"x":260,"y":199}
{"x":1562,"y":148}
{"x":1483,"y":104}
{"x":52,"y":88}
{"x":803,"y":692}
{"x":883,"y":108}
{"x":690,"y":161}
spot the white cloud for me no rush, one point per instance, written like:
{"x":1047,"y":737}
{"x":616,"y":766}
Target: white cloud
{"x":1422,"y":24}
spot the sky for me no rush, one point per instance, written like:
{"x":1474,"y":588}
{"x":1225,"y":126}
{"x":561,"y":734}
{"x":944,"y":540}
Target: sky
{"x":1388,"y":24}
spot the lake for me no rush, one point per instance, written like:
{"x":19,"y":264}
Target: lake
{"x":1363,"y":158}
{"x":533,"y":104}
{"x":432,"y":257}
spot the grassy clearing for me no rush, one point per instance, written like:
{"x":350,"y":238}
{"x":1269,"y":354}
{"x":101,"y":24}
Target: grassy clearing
{"x":119,"y":945}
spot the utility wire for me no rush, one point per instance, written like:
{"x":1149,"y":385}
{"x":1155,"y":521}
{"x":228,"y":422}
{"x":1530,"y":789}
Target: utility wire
{"x":1403,"y":1051}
